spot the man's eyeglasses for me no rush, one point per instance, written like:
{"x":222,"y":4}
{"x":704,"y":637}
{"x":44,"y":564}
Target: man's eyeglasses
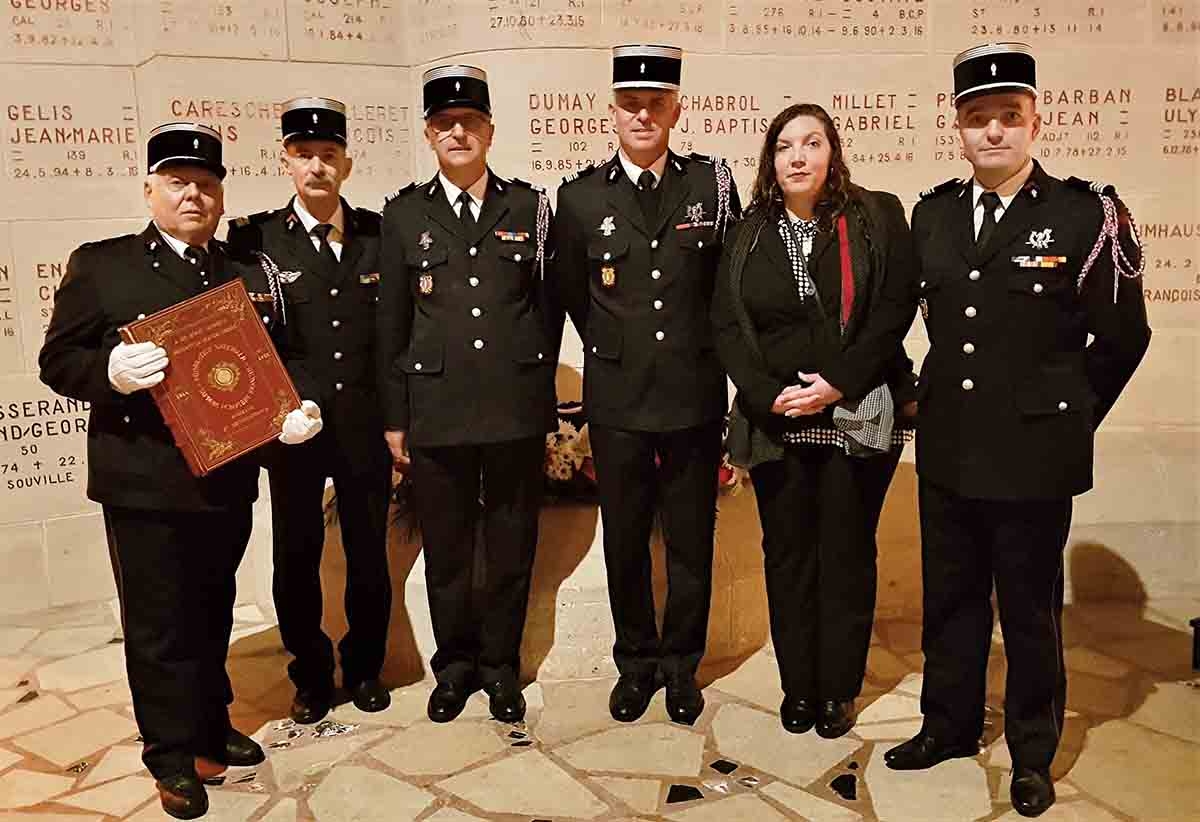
{"x":471,"y":122}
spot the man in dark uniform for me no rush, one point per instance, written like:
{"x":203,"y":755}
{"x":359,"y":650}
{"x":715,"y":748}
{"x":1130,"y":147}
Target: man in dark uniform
{"x":1018,"y":269}
{"x":468,"y":343}
{"x":326,"y":254}
{"x":175,"y":539}
{"x":638,"y":243}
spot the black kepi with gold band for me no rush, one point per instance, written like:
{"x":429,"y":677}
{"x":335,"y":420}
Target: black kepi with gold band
{"x":185,"y":144}
{"x":313,"y":118}
{"x":994,"y":68}
{"x":455,"y":86}
{"x":641,"y":66}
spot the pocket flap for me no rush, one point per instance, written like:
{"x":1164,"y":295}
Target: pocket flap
{"x":1055,"y":390}
{"x":425,"y":260}
{"x":423,"y":357}
{"x":604,"y":340}
{"x":517,"y":252}
{"x":606,"y":249}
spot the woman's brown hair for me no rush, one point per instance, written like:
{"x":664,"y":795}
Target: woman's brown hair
{"x":766,"y":194}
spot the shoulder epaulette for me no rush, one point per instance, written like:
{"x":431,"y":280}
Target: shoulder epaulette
{"x":400,"y":192}
{"x":533,"y":186}
{"x":1108,"y":189}
{"x":583,"y":172}
{"x":107,"y":241}
{"x":703,"y":158}
{"x":954,"y":182}
{"x":254,"y":219}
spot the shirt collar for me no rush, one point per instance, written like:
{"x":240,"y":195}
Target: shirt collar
{"x":1005,"y":199}
{"x":177,"y":245}
{"x":633,"y":170}
{"x":1007,"y":190}
{"x":338,"y":220}
{"x":453,"y":192}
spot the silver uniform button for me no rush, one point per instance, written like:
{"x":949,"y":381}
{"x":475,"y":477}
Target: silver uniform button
{"x":517,"y":258}
{"x":975,"y":275}
{"x":478,"y":344}
{"x":476,"y":312}
{"x":923,"y":283}
{"x":607,"y":256}
{"x":595,"y":349}
{"x":333,"y":292}
{"x":474,"y":281}
{"x":654,"y":243}
{"x":658,"y":304}
{"x":970,"y":312}
{"x":472,"y":251}
{"x":141,"y":316}
{"x":1038,"y":288}
{"x":336,"y":323}
{"x":1063,"y":406}
{"x":968,"y":384}
{"x":656,"y":273}
{"x":968,"y":348}
{"x":337,"y":355}
{"x":337,"y":386}
{"x":417,"y":366}
{"x":266,"y":319}
{"x":541,"y":356}
{"x":660,"y":336}
{"x":424,"y":263}
{"x":699,"y":243}
{"x":126,"y":418}
{"x":154,"y":264}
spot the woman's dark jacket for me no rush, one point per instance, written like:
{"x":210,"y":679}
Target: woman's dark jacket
{"x":766,"y":334}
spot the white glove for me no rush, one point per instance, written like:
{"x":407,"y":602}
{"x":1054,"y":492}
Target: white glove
{"x":301,"y":424}
{"x":135,"y":367}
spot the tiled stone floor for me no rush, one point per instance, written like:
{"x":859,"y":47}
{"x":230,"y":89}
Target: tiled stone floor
{"x":1131,"y":748}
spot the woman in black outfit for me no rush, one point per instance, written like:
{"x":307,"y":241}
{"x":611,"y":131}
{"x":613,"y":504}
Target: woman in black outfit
{"x":814,"y":296}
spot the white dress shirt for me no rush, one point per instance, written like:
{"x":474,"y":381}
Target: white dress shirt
{"x":338,"y":221}
{"x":452,"y":194}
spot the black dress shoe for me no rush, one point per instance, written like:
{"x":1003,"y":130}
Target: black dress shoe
{"x":685,"y":703}
{"x":630,"y":697}
{"x":370,"y":696}
{"x":925,"y":750}
{"x":241,"y":751}
{"x":836,"y":719}
{"x":310,"y":705}
{"x":183,"y":796}
{"x":1032,"y":791}
{"x":505,"y":700}
{"x":447,"y":701}
{"x":797,"y":715}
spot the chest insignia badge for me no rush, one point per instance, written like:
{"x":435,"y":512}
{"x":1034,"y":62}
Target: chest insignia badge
{"x":1041,"y":239}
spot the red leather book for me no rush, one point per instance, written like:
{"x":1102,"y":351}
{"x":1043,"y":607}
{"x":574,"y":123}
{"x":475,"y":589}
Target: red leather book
{"x":226,"y":391}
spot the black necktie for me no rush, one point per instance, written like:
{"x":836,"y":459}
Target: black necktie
{"x":990,"y":201}
{"x":322,"y":231}
{"x":648,"y":195}
{"x":198,"y":257}
{"x":464,"y":213}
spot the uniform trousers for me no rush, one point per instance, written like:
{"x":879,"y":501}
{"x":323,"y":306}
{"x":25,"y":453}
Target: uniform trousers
{"x":675,"y":473}
{"x":487,"y":497}
{"x":175,"y":576}
{"x":967,"y":546}
{"x":297,"y":476}
{"x":819,"y":509}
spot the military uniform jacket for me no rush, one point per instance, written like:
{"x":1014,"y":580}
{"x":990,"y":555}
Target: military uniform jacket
{"x":133,"y":461}
{"x":327,"y":328}
{"x":468,"y":335}
{"x":1011,"y":393}
{"x":640,"y":293}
